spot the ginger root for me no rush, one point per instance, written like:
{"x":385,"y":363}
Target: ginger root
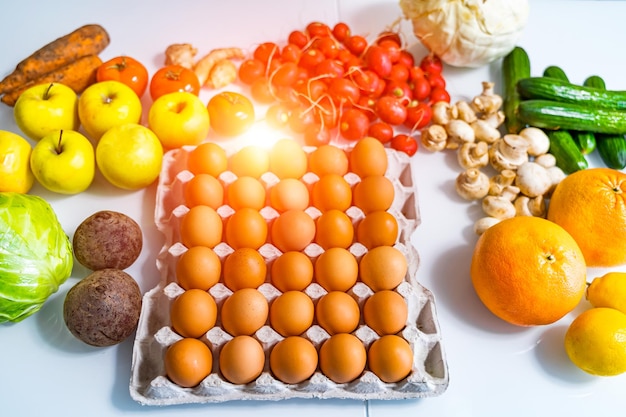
{"x":204,"y":65}
{"x":182,"y":54}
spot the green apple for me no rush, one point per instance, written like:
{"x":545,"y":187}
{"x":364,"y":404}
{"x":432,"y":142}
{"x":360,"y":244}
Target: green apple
{"x":46,"y":108}
{"x":179,"y":119}
{"x":107,"y":104}
{"x":129,"y":156}
{"x":64,"y":162}
{"x":15,"y":173}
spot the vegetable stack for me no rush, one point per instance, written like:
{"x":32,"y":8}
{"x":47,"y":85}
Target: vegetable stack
{"x":577,"y":118}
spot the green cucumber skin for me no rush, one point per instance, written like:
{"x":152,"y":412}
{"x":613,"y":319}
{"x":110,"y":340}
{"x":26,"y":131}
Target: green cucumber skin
{"x":554,"y":115}
{"x":547,"y":88}
{"x":612,"y":150}
{"x":555,"y":72}
{"x":515,"y":66}
{"x":565,"y":151}
{"x":587,"y":140}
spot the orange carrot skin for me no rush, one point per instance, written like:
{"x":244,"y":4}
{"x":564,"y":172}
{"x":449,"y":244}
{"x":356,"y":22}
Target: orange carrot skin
{"x":86,"y":40}
{"x":77,"y":75}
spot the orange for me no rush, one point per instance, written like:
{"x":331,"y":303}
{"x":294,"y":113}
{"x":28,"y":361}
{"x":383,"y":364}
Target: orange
{"x":528,"y":271}
{"x":591,"y":205}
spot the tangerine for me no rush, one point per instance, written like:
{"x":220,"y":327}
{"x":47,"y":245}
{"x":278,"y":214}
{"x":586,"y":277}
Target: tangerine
{"x":528,"y":271}
{"x":591,"y":205}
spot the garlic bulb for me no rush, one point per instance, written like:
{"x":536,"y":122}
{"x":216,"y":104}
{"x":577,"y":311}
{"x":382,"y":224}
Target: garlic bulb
{"x":467,"y":33}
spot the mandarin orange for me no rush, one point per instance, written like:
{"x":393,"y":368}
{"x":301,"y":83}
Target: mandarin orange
{"x":528,"y":271}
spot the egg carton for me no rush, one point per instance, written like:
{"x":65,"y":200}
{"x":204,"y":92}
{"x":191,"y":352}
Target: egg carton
{"x":149,"y":384}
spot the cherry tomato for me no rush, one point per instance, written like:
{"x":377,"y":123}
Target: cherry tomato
{"x":377,"y":59}
{"x":404,"y":143}
{"x":126,"y":70}
{"x":418,"y":115}
{"x":399,"y":89}
{"x":328,"y":46}
{"x":421,"y":89}
{"x":392,"y":48}
{"x":171,"y":78}
{"x":431,"y":64}
{"x":251,"y":70}
{"x":391,"y":110}
{"x":318,"y":30}
{"x":436,"y":80}
{"x":316,"y":135}
{"x":381,"y":131}
{"x":311,"y":58}
{"x":261,"y":91}
{"x":341,"y":31}
{"x":266,"y":52}
{"x":277,"y":115}
{"x":291,"y":53}
{"x":231,"y":113}
{"x":439,"y":94}
{"x":353,"y":124}
{"x":330,"y":68}
{"x":343,"y":90}
{"x":356,"y":44}
{"x":285,"y":75}
{"x":298,"y":38}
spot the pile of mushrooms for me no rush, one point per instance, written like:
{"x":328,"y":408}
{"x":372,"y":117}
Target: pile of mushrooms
{"x":522,"y":171}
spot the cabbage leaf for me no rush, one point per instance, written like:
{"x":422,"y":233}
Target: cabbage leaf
{"x":35,"y":255}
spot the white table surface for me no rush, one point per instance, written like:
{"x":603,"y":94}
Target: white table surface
{"x":495,"y":369}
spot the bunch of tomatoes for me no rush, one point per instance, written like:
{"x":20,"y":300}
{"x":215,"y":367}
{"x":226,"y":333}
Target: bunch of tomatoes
{"x":326,"y":80}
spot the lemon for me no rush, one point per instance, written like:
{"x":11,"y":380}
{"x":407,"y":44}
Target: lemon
{"x":608,"y":290}
{"x":15,"y":172}
{"x":596,"y":341}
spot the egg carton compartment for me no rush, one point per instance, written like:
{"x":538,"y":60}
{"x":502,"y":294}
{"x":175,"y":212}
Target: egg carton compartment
{"x":149,"y":384}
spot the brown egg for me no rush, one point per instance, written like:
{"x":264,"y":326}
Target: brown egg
{"x":188,"y":362}
{"x":337,"y":312}
{"x":293,"y":360}
{"x":293,"y":230}
{"x":193,"y":313}
{"x":377,"y":228}
{"x":244,"y":268}
{"x":291,"y":313}
{"x":334,"y":228}
{"x":368,"y":157}
{"x":373,"y":193}
{"x":244,"y":312}
{"x":336,"y":269}
{"x":242,"y":359}
{"x":385,"y":312}
{"x":390,"y":358}
{"x":198,"y":267}
{"x":342,"y":358}
{"x":383,"y":268}
{"x":292,"y":270}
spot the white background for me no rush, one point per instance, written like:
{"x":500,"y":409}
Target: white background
{"x":495,"y":368}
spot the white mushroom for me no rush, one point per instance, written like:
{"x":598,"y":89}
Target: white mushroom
{"x":508,"y":152}
{"x":527,"y":206}
{"x":484,"y":131}
{"x":434,"y":138}
{"x":546,"y":160}
{"x":473,"y":155}
{"x":488,"y":101}
{"x":481,"y":225}
{"x":533,"y":179}
{"x":443,"y":112}
{"x":459,"y":132}
{"x":538,"y":141}
{"x":556,"y":176}
{"x":498,"y":207}
{"x":465,"y":112}
{"x":472,"y":184}
{"x":495,"y":119}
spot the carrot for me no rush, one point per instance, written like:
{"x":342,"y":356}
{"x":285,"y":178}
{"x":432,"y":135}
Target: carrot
{"x":86,"y":40}
{"x":77,"y":75}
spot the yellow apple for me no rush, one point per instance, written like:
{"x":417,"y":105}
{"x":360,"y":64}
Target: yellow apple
{"x":107,"y":104}
{"x":15,"y":173}
{"x":129,"y":156}
{"x":46,"y":108}
{"x":179,"y":119}
{"x":64,"y":162}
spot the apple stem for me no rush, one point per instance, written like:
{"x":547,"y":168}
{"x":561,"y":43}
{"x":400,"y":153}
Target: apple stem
{"x":47,"y":93}
{"x":59,"y":149}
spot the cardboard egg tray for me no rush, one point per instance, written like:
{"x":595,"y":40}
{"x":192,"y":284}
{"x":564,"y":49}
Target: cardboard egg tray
{"x":149,"y":384}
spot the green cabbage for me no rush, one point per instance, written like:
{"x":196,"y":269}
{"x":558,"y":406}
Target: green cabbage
{"x":35,"y":255}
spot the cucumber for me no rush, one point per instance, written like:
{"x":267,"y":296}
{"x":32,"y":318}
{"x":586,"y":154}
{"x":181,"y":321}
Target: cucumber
{"x":558,"y":90}
{"x":612,"y":148}
{"x":554,"y":115}
{"x":565,"y":151}
{"x":555,"y":72}
{"x":515,"y":66}
{"x":587,"y":140}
